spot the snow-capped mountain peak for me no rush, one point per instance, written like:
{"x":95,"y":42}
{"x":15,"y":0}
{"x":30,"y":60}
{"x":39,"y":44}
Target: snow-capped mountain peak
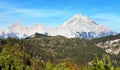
{"x":19,"y":31}
{"x":79,"y":19}
{"x":82,"y":27}
{"x":78,"y":26}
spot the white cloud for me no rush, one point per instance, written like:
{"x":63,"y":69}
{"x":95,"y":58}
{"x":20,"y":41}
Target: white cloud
{"x":12,"y":11}
{"x":41,"y":12}
{"x":12,"y":14}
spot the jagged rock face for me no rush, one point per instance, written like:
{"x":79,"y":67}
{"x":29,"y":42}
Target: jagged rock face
{"x":111,"y":47}
{"x":78,"y":26}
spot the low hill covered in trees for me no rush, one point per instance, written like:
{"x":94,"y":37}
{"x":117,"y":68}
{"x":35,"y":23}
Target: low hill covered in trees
{"x":56,"y":50}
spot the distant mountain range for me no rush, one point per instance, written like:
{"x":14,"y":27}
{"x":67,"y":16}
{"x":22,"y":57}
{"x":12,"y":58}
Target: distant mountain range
{"x":78,"y":26}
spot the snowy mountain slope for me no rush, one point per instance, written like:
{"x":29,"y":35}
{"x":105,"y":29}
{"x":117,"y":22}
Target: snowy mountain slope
{"x":18,"y":31}
{"x":82,"y":27}
{"x":78,"y":26}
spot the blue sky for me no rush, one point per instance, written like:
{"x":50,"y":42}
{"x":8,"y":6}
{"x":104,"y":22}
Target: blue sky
{"x":52,"y":13}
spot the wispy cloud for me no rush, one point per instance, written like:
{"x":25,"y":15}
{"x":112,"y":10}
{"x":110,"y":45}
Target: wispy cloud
{"x":11,"y":14}
{"x":7,"y":9}
{"x":41,"y":12}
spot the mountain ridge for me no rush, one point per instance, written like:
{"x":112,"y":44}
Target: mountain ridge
{"x":78,"y":26}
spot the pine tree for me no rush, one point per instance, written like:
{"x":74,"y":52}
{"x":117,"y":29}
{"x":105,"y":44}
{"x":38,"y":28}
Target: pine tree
{"x":103,"y":64}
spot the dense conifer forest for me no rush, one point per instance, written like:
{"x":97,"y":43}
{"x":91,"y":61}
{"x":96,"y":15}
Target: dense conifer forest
{"x":43,"y":52}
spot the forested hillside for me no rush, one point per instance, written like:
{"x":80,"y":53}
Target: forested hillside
{"x":37,"y":51}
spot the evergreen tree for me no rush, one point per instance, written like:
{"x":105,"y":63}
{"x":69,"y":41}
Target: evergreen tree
{"x":103,"y":64}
